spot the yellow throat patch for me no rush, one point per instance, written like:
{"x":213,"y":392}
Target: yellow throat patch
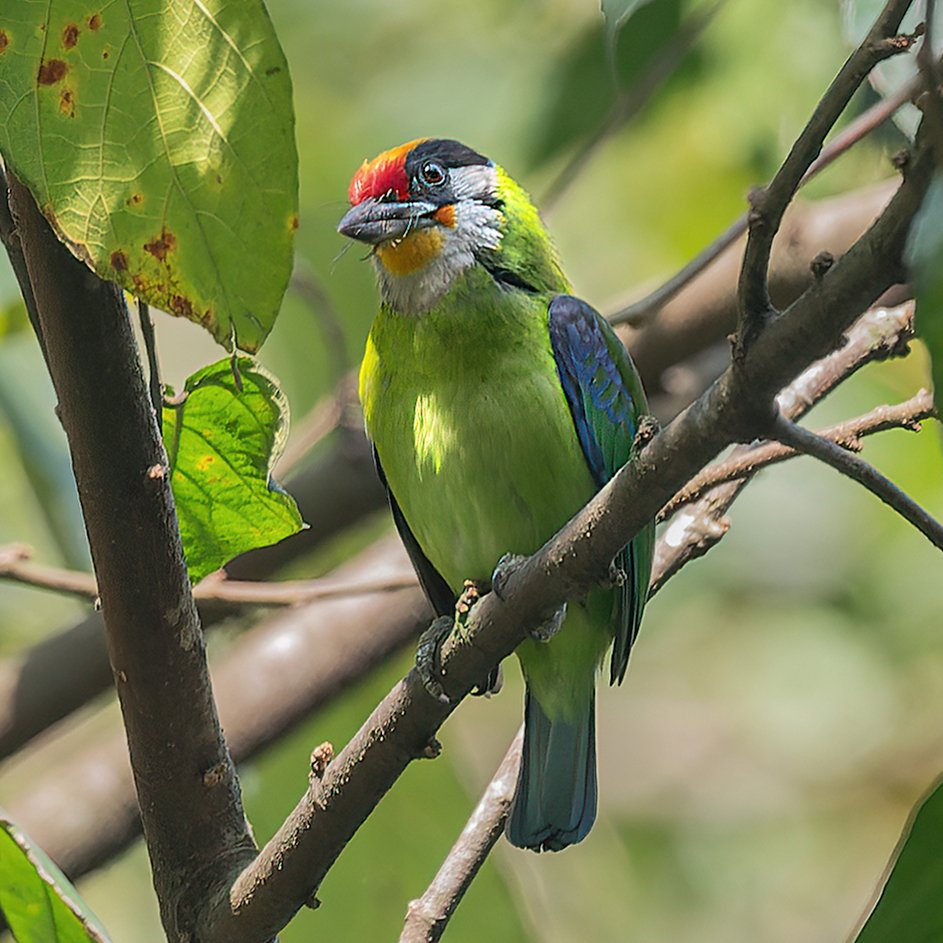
{"x":405,"y":256}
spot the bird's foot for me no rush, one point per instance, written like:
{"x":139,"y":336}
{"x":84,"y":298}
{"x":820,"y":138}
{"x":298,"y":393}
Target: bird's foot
{"x":472,"y":592}
{"x":429,"y":649}
{"x":429,"y":657}
{"x":509,"y":564}
{"x":549,"y":628}
{"x":506,"y":567}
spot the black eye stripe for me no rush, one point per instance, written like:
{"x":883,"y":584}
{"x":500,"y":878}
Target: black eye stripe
{"x":442,"y":151}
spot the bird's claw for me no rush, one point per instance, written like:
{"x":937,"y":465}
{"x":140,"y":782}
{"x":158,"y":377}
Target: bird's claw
{"x":509,"y":564}
{"x":429,"y":657}
{"x":549,"y":628}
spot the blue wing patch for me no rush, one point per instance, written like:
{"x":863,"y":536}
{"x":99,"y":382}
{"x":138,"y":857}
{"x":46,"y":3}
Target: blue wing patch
{"x":605,"y":397}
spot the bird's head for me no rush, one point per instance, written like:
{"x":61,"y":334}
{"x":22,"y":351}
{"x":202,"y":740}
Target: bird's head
{"x":433,"y":208}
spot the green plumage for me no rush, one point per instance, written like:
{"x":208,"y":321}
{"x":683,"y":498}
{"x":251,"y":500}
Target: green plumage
{"x":480,"y":449}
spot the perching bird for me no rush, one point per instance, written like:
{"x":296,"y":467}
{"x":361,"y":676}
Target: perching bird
{"x":497,"y":405}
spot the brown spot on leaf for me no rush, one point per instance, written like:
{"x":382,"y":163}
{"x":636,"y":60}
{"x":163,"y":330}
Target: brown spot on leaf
{"x":67,"y":103}
{"x":163,"y":244}
{"x":51,"y":71}
{"x":181,"y":306}
{"x":4,"y":40}
{"x":273,"y":70}
{"x":136,"y":199}
{"x":70,"y":36}
{"x":119,"y":260}
{"x":95,"y":21}
{"x":105,"y":54}
{"x":293,"y":222}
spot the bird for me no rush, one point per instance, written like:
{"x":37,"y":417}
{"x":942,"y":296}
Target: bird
{"x":497,"y":405}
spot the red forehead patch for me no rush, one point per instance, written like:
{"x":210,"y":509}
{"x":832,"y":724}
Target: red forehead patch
{"x":386,"y":173}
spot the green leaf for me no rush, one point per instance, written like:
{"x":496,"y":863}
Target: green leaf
{"x":598,"y":64}
{"x":157,"y":137}
{"x":858,"y":16}
{"x":909,"y":908}
{"x":39,"y":903}
{"x":222,"y":442}
{"x":924,"y":258}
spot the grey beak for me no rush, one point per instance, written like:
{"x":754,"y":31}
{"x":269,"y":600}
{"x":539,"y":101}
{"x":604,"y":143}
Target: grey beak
{"x":373,"y":222}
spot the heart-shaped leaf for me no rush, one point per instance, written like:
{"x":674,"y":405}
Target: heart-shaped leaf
{"x":222,"y":439}
{"x":157,"y":137}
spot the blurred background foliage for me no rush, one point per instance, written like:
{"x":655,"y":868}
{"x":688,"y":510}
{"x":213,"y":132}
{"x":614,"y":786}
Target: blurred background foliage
{"x":781,"y":715}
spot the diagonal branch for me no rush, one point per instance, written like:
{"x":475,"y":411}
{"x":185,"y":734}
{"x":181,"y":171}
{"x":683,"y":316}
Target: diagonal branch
{"x":802,"y":440}
{"x":428,"y":916}
{"x":640,"y":312}
{"x":768,"y":205}
{"x":878,"y":334}
{"x":848,"y":435}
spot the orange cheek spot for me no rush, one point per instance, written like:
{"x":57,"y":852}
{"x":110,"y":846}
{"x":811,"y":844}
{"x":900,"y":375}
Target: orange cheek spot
{"x":446,"y":215}
{"x":407,"y":255}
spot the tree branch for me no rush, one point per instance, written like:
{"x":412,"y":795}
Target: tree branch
{"x":705,"y":310}
{"x":193,"y":818}
{"x":58,"y":675}
{"x":642,"y":311}
{"x":14,"y":566}
{"x":82,"y":810}
{"x":847,"y":435}
{"x":428,"y":916}
{"x":802,"y":440}
{"x":878,"y":334}
{"x":768,"y":205}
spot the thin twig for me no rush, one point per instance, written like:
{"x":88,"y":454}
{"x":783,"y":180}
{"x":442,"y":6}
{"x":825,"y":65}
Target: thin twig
{"x":848,"y":435}
{"x":14,"y":566}
{"x":854,"y":467}
{"x":769,"y":204}
{"x":631,"y":101}
{"x":641,"y":311}
{"x":154,"y":386}
{"x":428,"y":916}
{"x":878,"y":334}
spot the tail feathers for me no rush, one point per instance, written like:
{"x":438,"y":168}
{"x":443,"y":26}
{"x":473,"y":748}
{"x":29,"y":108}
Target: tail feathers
{"x":555,"y":802}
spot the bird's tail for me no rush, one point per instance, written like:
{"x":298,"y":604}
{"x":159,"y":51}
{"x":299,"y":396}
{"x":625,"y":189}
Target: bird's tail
{"x":555,"y":802}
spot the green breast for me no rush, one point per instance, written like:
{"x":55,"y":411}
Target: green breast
{"x":472,"y":428}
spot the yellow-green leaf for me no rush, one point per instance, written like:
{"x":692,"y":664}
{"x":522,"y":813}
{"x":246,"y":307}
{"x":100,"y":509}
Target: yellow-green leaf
{"x":158,"y":138}
{"x":37,"y":900}
{"x":222,"y":439}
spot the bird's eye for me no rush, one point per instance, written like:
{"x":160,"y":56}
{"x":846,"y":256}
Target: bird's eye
{"x":432,"y":174}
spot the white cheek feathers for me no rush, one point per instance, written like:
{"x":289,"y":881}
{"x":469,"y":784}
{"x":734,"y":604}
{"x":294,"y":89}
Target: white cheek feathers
{"x":415,"y":272}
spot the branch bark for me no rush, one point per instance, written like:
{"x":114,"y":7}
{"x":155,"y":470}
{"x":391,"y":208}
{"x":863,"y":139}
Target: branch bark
{"x":82,"y":810}
{"x":428,"y":916}
{"x":705,"y":310}
{"x":847,"y":435}
{"x":193,"y":818}
{"x":802,"y":440}
{"x":769,"y":205}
